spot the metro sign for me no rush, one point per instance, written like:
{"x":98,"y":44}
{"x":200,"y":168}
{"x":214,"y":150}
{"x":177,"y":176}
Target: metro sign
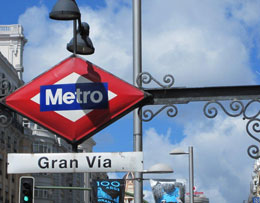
{"x":75,"y":99}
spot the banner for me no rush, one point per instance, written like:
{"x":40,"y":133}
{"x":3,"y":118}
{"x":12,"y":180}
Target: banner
{"x":168,"y":191}
{"x":108,"y":190}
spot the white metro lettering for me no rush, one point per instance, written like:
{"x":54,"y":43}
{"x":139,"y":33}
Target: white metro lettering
{"x":49,"y":97}
{"x":68,"y":97}
{"x":74,"y":96}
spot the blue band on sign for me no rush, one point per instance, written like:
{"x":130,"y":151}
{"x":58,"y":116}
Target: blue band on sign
{"x":74,"y":96}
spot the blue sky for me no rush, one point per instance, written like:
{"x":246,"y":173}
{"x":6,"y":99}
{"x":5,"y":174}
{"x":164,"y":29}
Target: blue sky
{"x":14,"y":8}
{"x":201,"y":43}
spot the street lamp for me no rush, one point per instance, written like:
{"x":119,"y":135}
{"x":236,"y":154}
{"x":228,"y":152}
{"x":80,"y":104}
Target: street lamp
{"x":159,"y":168}
{"x":191,"y":171}
{"x":84,"y":44}
{"x":65,"y":10}
{"x":68,"y":10}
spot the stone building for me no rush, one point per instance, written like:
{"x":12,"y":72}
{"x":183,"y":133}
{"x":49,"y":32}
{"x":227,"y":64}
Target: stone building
{"x":12,"y":43}
{"x":199,"y":197}
{"x":44,"y":141}
{"x":13,"y":137}
{"x":129,"y":187}
{"x":255,"y":183}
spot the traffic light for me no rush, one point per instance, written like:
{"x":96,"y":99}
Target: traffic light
{"x":26,"y":189}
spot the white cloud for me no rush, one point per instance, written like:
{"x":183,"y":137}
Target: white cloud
{"x":195,"y":42}
{"x":220,"y":158}
{"x":247,"y":11}
{"x":177,"y":39}
{"x":47,"y":41}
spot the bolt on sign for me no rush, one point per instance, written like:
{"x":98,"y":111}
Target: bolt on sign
{"x":75,"y":99}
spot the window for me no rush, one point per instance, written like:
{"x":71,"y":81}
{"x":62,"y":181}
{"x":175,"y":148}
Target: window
{"x":40,"y":147}
{"x":2,"y":138}
{"x":1,"y":165}
{"x":41,"y":193}
{"x":12,"y":199}
{"x":26,"y":123}
{"x":8,"y":142}
{"x":15,"y":146}
{"x":6,"y":197}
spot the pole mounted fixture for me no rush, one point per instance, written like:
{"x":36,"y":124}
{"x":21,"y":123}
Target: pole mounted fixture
{"x":65,"y":10}
{"x":68,"y":10}
{"x":84,"y":43}
{"x":159,"y":168}
{"x":191,"y":169}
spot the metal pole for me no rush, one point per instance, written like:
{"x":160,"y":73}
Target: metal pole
{"x":137,"y":69}
{"x":62,"y":188}
{"x":191,"y":174}
{"x":74,"y":37}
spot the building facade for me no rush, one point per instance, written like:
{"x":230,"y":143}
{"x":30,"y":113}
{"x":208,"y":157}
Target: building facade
{"x":44,"y":141}
{"x":13,"y":137}
{"x":199,"y":197}
{"x":255,"y":183}
{"x":12,"y":43}
{"x":129,"y":187}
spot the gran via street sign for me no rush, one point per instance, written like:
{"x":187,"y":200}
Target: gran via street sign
{"x":75,"y":99}
{"x":74,"y":162}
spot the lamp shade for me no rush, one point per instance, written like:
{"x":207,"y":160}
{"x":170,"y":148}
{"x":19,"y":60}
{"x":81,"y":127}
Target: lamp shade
{"x":65,"y":10}
{"x":178,"y":152}
{"x":159,"y":168}
{"x":84,"y":43}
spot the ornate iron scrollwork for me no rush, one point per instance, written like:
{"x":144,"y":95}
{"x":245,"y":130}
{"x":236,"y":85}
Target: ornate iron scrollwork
{"x":210,"y":111}
{"x":253,"y":128}
{"x":148,"y":114}
{"x":238,"y":108}
{"x":5,"y":87}
{"x":234,"y":109}
{"x":146,"y":78}
{"x":253,"y":151}
{"x":6,"y":117}
{"x":246,"y":109}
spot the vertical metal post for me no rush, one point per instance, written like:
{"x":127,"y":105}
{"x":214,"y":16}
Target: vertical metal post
{"x":191,"y":174}
{"x":137,"y":69}
{"x":74,"y":37}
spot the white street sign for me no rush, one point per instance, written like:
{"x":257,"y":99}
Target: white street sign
{"x":74,"y":162}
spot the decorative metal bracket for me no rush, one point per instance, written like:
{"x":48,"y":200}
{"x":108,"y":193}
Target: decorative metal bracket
{"x":147,"y":114}
{"x":6,"y":87}
{"x":168,"y":97}
{"x":237,"y":109}
{"x":146,"y":78}
{"x":6,"y":116}
{"x":210,"y":111}
{"x":253,"y":128}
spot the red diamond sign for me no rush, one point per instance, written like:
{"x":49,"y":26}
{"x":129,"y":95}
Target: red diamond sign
{"x":75,"y":99}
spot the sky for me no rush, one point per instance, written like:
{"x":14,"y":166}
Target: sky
{"x":201,"y":43}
